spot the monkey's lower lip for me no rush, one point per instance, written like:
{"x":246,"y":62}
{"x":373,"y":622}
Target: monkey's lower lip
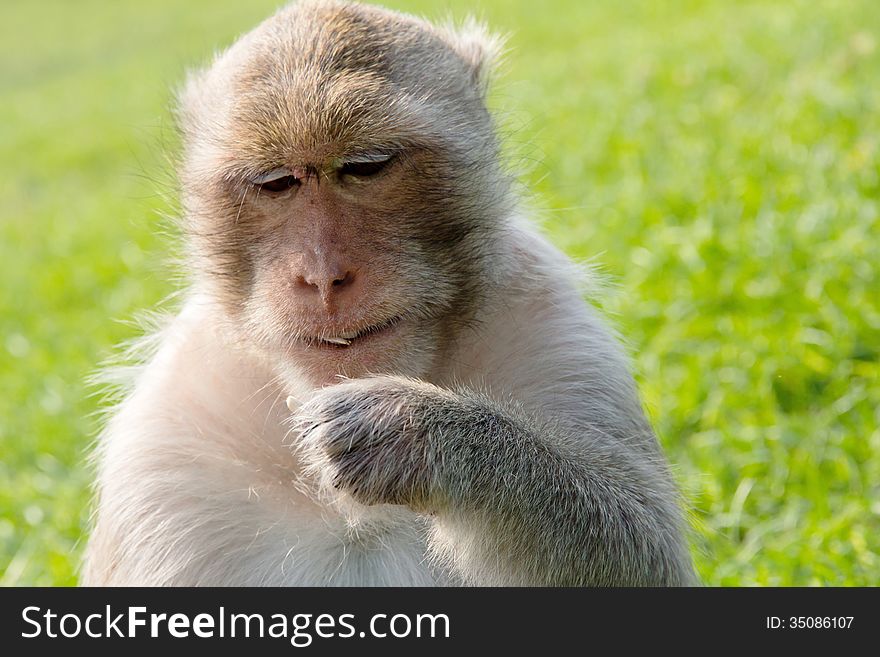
{"x":347,"y":340}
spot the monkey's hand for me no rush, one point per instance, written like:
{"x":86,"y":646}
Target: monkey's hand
{"x":512,"y":501}
{"x":370,"y":438}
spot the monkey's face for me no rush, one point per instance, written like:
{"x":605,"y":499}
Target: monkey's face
{"x":341,"y":187}
{"x":337,"y":267}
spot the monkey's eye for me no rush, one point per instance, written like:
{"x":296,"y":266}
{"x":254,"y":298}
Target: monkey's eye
{"x":366,"y":166}
{"x":276,"y":181}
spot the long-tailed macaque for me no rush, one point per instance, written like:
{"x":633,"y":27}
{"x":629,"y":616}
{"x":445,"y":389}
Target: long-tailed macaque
{"x":380,"y":373}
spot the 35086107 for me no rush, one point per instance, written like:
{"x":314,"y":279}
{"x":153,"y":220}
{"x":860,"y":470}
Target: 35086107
{"x":809,"y":622}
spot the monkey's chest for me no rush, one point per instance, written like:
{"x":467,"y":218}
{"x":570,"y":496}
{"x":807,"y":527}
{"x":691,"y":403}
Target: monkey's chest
{"x":378,"y":554}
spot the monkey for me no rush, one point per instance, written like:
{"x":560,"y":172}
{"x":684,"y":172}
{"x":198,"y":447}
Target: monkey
{"x":381,"y":373}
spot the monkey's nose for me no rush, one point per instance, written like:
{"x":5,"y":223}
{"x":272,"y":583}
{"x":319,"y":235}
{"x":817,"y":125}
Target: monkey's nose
{"x":327,"y":282}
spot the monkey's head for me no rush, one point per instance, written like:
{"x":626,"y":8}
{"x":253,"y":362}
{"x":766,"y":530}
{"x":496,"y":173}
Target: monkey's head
{"x":341,"y":186}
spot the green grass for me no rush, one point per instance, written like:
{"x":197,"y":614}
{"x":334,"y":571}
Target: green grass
{"x":720,"y":160}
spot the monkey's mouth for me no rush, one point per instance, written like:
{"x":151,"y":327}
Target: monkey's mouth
{"x":348,"y":339}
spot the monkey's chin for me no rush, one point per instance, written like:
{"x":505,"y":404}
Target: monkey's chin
{"x":385,"y":351}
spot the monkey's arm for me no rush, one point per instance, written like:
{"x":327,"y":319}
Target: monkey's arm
{"x":515,"y":501}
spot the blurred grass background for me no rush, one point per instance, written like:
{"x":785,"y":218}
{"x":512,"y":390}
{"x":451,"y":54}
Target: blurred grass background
{"x":718,"y":159}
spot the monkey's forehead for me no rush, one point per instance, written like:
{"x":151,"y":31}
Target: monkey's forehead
{"x":336,"y":77}
{"x":319,"y":67}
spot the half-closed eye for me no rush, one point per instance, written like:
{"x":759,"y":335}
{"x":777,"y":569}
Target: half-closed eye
{"x":365,"y":166}
{"x":275,"y":181}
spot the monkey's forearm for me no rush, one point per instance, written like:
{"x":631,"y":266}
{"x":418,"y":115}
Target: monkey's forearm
{"x":529,"y":505}
{"x":514,"y":501}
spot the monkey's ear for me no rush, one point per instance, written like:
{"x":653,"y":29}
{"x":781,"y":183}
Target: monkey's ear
{"x":480,"y":49}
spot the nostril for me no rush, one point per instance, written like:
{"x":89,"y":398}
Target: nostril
{"x":303,"y":281}
{"x":345,"y":280}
